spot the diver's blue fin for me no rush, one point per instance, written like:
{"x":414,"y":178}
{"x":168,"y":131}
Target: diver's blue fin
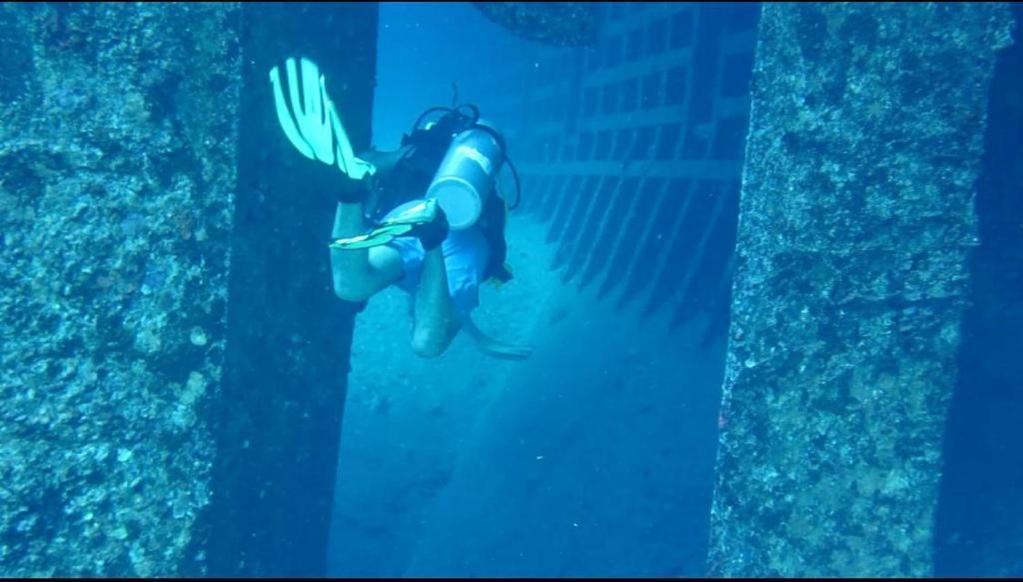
{"x":405,"y":223}
{"x":312,"y":123}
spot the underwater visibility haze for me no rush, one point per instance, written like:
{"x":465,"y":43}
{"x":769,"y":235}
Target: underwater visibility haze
{"x":492,"y":289}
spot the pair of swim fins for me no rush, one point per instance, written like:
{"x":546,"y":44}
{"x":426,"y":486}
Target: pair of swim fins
{"x":401,"y":224}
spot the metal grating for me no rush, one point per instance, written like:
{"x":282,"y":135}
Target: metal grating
{"x":632,"y":152}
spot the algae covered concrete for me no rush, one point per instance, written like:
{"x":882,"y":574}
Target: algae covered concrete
{"x":117,"y":176}
{"x":172,"y":365}
{"x":856,"y":220}
{"x":554,"y":23}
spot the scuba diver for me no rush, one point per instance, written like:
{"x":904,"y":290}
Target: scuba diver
{"x":437,"y":221}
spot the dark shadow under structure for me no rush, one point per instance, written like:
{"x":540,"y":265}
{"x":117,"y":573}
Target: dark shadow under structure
{"x":289,"y":337}
{"x":980,"y":510}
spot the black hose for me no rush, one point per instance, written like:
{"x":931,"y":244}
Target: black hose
{"x":472,"y":118}
{"x":518,"y":183}
{"x":504,"y":152}
{"x":422,"y":116}
{"x":475,"y":117}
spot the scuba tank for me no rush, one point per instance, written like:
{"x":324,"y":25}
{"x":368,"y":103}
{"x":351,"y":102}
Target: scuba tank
{"x":455,"y":160}
{"x":471,"y":154}
{"x":466,"y":176}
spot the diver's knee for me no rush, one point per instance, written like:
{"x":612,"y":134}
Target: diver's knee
{"x":348,"y":291}
{"x":425,"y":346}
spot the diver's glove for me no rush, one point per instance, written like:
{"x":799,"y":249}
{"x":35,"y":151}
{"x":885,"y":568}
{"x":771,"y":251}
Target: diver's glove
{"x":431,"y":234}
{"x":349,"y":191}
{"x":312,"y":123}
{"x":325,"y":181}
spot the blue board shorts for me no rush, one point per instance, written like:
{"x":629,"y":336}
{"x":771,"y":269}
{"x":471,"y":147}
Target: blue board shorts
{"x":465,"y":259}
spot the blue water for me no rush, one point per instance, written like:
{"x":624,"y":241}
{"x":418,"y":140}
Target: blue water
{"x":577,"y":462}
{"x":615,"y":487}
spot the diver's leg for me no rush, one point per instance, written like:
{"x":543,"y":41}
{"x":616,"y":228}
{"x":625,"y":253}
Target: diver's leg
{"x":435,"y":322}
{"x":360,"y":273}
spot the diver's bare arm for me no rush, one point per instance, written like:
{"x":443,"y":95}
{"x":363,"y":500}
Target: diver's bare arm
{"x":359,"y":273}
{"x":435,"y":321}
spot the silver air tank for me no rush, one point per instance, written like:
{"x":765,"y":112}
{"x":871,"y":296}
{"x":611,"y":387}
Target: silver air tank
{"x":466,"y":176}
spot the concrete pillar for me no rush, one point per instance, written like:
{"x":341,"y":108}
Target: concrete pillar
{"x":118,"y":135}
{"x":171,"y":356}
{"x":279,"y":418}
{"x":856,"y":218}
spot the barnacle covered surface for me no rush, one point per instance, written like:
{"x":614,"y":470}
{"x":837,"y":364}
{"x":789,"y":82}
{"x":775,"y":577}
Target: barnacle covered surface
{"x":555,"y":23}
{"x":855,"y":224}
{"x":113,"y":264}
